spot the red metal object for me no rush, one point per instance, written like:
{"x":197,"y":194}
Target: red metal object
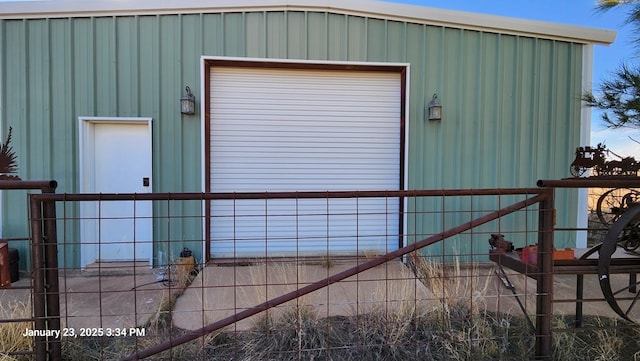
{"x":5,"y":278}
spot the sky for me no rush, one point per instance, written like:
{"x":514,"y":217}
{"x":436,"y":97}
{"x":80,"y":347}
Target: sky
{"x":575,"y":12}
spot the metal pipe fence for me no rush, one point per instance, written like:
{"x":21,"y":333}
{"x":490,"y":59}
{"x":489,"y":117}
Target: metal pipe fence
{"x":27,"y":309}
{"x":294,"y":275}
{"x":585,"y":312}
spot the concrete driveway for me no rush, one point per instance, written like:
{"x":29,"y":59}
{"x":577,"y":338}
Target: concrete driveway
{"x":114,"y":297}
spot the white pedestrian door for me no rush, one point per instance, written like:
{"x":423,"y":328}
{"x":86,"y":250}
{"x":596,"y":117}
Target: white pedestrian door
{"x":117,"y":159}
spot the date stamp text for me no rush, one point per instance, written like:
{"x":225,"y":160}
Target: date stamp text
{"x":88,"y":332}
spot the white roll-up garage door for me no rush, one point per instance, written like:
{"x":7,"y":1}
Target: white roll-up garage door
{"x":275,"y":129}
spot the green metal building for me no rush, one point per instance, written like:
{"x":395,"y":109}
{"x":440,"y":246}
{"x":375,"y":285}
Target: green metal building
{"x":331,"y":94}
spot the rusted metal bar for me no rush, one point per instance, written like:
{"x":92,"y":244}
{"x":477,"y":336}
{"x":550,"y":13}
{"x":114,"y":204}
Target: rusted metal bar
{"x":51,"y":278}
{"x":18,"y":353}
{"x":502,"y":275}
{"x":280,"y":195}
{"x":564,"y":267}
{"x":544,"y":299}
{"x":579,"y":299}
{"x":192,"y":335}
{"x":38,"y":269}
{"x":602,"y":182}
{"x":16,"y":320}
{"x":46,"y":186}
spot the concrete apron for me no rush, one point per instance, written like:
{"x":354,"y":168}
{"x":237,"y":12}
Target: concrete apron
{"x":113,"y":300}
{"x":113,"y":296}
{"x":219,"y":291}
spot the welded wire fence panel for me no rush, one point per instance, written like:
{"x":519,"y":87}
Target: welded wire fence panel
{"x":584,"y":325}
{"x":332,"y":275}
{"x":132,"y":283}
{"x":303,"y":227}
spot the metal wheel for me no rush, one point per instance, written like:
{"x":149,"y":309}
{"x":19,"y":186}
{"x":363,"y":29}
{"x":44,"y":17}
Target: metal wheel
{"x":614,"y":202}
{"x":577,"y":170}
{"x":620,"y":293}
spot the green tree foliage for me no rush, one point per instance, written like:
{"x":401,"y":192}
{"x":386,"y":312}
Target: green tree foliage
{"x":619,"y":96}
{"x":633,"y":13}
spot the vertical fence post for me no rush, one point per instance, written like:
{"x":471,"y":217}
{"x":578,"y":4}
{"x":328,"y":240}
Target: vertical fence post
{"x":544,"y":277}
{"x":38,"y":269}
{"x":51,"y":277}
{"x":44,"y":251}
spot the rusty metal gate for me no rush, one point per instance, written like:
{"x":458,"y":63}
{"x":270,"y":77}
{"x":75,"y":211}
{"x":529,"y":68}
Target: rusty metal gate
{"x":45,"y":249}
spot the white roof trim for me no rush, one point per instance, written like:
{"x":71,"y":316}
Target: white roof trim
{"x":378,"y":9}
{"x":304,"y":61}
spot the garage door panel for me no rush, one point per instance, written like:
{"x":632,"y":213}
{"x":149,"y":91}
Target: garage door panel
{"x":303,"y":227}
{"x":257,"y":117}
{"x":303,"y":152}
{"x":303,"y":130}
{"x":303,"y":143}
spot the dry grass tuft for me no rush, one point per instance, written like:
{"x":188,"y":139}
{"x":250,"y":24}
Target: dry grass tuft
{"x":161,"y":319}
{"x":327,"y":262}
{"x":454,"y":325}
{"x":600,"y":339}
{"x":158,"y":329}
{"x":465,"y":329}
{"x":11,"y":339}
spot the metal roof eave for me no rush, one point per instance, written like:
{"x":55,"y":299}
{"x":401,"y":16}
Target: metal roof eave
{"x":379,"y":9}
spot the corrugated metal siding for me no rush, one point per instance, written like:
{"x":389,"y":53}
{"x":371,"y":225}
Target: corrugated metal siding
{"x":511,"y":104}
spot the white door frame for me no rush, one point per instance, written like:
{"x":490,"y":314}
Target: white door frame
{"x":86,"y":134}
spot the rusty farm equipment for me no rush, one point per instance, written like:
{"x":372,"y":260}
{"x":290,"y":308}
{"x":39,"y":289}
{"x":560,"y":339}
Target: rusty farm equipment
{"x":623,"y":233}
{"x":596,"y":158}
{"x":615,"y":261}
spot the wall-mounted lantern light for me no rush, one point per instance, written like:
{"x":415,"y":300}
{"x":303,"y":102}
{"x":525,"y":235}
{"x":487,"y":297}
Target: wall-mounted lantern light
{"x":188,"y":103}
{"x":435,"y":108}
